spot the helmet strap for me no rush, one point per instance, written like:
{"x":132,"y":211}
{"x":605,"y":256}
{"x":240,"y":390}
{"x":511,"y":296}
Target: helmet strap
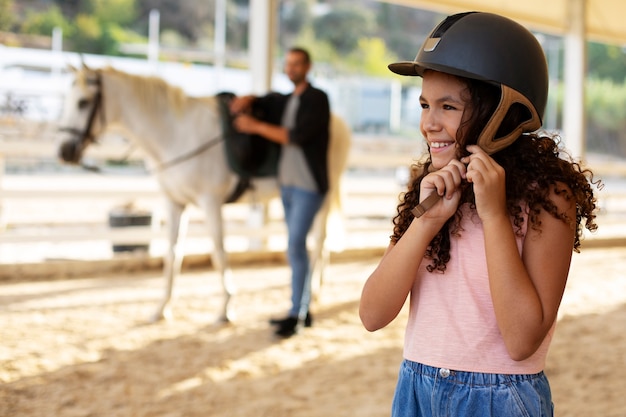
{"x":487,"y":139}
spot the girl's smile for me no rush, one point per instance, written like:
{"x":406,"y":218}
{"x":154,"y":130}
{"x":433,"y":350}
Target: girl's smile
{"x":442,"y":110}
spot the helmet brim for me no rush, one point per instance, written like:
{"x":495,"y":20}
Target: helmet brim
{"x":413,"y":68}
{"x":406,"y":68}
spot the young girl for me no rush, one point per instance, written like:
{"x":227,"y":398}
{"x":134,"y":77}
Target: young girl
{"x":485,"y":260}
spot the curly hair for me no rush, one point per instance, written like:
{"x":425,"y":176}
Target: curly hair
{"x":536,"y":165}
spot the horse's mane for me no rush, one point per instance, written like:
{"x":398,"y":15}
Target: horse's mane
{"x":154,"y":92}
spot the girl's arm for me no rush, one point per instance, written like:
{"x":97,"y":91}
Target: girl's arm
{"x":387,"y":288}
{"x":526,"y":291}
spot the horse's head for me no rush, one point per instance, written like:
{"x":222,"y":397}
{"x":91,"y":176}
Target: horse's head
{"x":82,"y":107}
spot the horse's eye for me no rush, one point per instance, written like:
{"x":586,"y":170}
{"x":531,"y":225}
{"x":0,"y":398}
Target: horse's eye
{"x":83,"y":103}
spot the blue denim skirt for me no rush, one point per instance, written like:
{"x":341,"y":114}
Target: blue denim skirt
{"x":425,"y":391}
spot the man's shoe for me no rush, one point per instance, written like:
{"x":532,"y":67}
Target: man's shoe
{"x":288,"y":327}
{"x":308,"y":320}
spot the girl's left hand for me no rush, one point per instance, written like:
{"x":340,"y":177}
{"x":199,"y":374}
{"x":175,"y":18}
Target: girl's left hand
{"x":488,"y":178}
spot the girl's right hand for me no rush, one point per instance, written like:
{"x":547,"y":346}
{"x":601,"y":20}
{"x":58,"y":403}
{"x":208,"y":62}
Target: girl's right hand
{"x":446,"y":183}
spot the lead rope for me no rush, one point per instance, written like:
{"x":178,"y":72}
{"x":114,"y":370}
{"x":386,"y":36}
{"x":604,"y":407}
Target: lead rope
{"x":182,"y":158}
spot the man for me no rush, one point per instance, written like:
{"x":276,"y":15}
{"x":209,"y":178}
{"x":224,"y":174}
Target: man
{"x":303,"y":134}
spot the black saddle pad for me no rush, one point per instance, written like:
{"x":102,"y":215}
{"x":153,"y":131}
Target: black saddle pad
{"x":247,"y":155}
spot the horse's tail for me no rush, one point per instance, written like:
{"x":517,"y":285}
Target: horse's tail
{"x":339,"y":149}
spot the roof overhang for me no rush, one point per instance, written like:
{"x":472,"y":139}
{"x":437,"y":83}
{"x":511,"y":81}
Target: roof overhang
{"x":604,"y":19}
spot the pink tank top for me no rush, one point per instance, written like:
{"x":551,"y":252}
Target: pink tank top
{"x":452,"y":323}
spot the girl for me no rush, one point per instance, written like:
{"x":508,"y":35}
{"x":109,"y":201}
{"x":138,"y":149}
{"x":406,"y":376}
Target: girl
{"x":484,"y":261}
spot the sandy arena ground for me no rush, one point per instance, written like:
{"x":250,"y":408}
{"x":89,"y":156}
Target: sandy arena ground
{"x":81,"y":347}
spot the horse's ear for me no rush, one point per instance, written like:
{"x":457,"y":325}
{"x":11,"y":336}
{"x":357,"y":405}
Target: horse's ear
{"x":82,"y":62}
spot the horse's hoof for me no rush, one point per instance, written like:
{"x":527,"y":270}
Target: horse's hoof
{"x":161,"y":315}
{"x":227,"y":317}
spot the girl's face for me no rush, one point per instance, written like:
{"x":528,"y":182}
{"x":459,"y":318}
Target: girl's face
{"x":443,"y":104}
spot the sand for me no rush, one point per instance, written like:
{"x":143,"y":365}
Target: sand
{"x":82,"y":347}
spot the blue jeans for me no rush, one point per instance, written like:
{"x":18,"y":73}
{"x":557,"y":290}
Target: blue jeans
{"x":426,"y":391}
{"x":300,"y":208}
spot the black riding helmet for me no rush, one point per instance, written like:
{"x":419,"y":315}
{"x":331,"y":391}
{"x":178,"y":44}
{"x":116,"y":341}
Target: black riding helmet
{"x":494,"y":49}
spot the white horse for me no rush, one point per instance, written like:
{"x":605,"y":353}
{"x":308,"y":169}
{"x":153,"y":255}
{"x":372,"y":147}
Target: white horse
{"x":181,"y":137}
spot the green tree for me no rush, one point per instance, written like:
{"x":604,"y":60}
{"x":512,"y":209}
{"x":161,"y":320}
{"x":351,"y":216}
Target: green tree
{"x":404,"y":28}
{"x":322,"y":52}
{"x":120,"y":12}
{"x":87,"y":34}
{"x":94,"y":36}
{"x":372,"y":57}
{"x":343,"y":26}
{"x":42,"y":23}
{"x":236,"y":27}
{"x":295,"y":14}
{"x":605,"y":101}
{"x":606,"y":61}
{"x":6,"y":14}
{"x":71,"y":8}
{"x":187,"y":17}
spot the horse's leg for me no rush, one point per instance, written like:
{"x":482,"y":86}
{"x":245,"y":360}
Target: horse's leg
{"x":319,"y":253}
{"x":258,"y":218}
{"x":213,"y":215}
{"x":176,"y":224}
{"x":339,"y":148}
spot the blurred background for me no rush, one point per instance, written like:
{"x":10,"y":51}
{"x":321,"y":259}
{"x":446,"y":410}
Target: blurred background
{"x":351,"y":43}
{"x":204,"y":48}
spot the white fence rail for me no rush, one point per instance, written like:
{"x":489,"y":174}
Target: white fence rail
{"x":62,"y":208}
{"x":67,"y":209}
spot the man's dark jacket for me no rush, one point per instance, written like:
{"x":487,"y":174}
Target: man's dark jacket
{"x":311,"y":130}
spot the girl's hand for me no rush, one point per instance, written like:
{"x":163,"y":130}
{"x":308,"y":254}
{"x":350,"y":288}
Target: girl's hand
{"x":446,"y":183}
{"x":489,"y":183}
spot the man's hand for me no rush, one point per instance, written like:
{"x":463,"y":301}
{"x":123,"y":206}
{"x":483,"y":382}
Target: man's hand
{"x":241,"y":104}
{"x":245,"y":123}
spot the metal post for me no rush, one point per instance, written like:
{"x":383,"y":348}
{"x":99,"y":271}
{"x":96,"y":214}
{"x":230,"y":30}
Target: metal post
{"x":57,"y":50}
{"x":153,"y":35}
{"x":575,"y":66}
{"x":395,"y":109}
{"x":219,"y":41}
{"x":261,"y":38}
{"x":3,"y":222}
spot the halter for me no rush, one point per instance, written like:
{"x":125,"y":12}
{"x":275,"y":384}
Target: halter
{"x":85,"y":135}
